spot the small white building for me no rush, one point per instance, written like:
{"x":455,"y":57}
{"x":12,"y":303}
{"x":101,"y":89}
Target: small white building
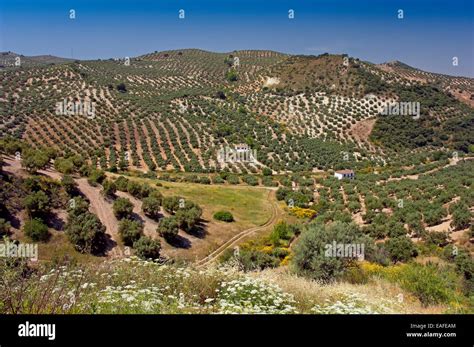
{"x":344,"y":174}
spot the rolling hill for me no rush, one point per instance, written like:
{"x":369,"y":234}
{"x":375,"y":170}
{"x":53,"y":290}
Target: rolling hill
{"x":174,"y":110}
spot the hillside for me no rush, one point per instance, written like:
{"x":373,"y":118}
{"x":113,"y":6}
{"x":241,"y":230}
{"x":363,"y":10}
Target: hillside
{"x":174,"y":110}
{"x":11,"y":60}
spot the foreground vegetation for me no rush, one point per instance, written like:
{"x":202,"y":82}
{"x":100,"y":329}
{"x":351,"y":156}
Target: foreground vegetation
{"x":136,"y":286}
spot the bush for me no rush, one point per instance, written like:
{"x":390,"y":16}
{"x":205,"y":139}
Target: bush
{"x":69,"y":185}
{"x":251,"y":260}
{"x":123,"y":208}
{"x":77,"y":206}
{"x":109,"y":188}
{"x":267,"y":181}
{"x":86,"y":233}
{"x":430,"y":283}
{"x":122,"y":88}
{"x":134,"y":189}
{"x":231,"y":75}
{"x":147,"y":248}
{"x":311,"y":257}
{"x":96,"y":177}
{"x":205,"y":180}
{"x":64,"y":166}
{"x":4,"y":227}
{"x":188,"y":216}
{"x":224,"y":216}
{"x":36,"y":230}
{"x":282,"y":193}
{"x":217,"y":180}
{"x":401,"y":249}
{"x":145,"y":191}
{"x":121,"y":183}
{"x":151,"y":206}
{"x":171,"y":204}
{"x":130,"y":231}
{"x":250,"y":180}
{"x":233,"y":179}
{"x":168,"y":228}
{"x":34,"y":160}
{"x":281,"y":231}
{"x":36,"y":203}
{"x":437,"y":238}
{"x":462,"y":217}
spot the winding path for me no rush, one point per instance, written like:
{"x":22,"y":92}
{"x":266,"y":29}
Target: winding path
{"x":238,"y":237}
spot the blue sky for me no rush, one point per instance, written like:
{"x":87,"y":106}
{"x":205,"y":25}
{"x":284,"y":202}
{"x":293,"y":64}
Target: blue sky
{"x":430,"y":35}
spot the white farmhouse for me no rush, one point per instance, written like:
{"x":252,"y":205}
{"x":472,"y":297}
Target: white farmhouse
{"x":342,"y":174}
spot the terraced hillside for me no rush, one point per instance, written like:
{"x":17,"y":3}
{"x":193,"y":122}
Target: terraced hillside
{"x":175,"y":110}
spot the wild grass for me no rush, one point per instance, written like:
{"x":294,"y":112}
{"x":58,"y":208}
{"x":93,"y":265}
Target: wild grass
{"x":134,"y":286}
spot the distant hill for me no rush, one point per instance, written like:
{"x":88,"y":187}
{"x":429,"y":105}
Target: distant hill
{"x":8,"y":59}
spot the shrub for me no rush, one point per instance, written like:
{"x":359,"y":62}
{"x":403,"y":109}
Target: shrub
{"x":96,"y":177}
{"x":151,"y":206}
{"x":231,"y":75}
{"x":4,"y":227}
{"x":233,"y":179}
{"x":123,"y":208}
{"x":145,"y":191}
{"x":217,"y":180}
{"x":86,"y":233}
{"x":121,"y":183}
{"x":224,"y":216}
{"x":302,"y":212}
{"x":77,"y":206}
{"x":430,"y":283}
{"x":251,"y":260}
{"x":134,"y":188}
{"x":171,"y":204}
{"x":282,"y":192}
{"x":205,"y":180}
{"x":401,"y":249}
{"x":64,"y":166}
{"x":109,"y":188}
{"x":188,"y":217}
{"x":250,"y":180}
{"x":36,"y":230}
{"x":281,"y":231}
{"x":69,"y":185}
{"x":168,"y":228}
{"x":461,"y":216}
{"x":437,"y":238}
{"x":34,"y":160}
{"x":147,"y":248}
{"x":130,"y":231}
{"x":36,"y":203}
{"x":122,"y":88}
{"x":311,"y":256}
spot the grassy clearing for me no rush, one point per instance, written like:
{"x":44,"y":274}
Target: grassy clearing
{"x":249,"y":205}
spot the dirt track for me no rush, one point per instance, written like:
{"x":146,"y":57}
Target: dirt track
{"x":98,"y":205}
{"x":213,"y":256}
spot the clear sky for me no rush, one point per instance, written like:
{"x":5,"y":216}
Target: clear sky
{"x":431,"y":33}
